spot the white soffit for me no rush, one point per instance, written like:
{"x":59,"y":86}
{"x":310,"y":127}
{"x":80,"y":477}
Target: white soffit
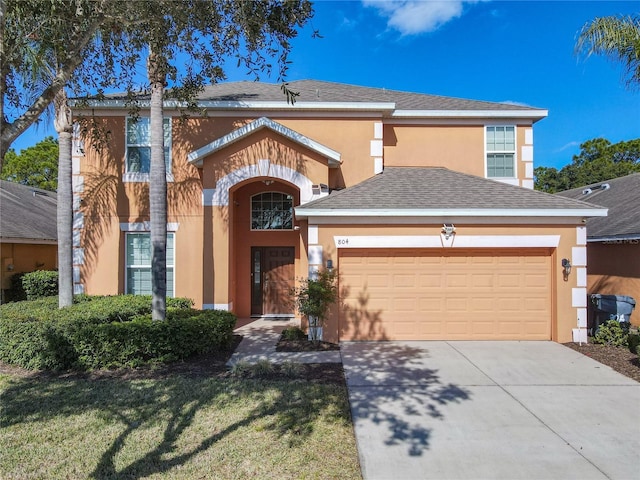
{"x":196,"y":157}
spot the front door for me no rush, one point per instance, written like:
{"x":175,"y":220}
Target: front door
{"x":272,"y":277}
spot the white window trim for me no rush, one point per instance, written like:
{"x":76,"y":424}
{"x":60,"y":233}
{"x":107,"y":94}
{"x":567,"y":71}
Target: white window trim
{"x":268,"y":229}
{"x":514,"y":179}
{"x":140,"y":177}
{"x":127,"y":266}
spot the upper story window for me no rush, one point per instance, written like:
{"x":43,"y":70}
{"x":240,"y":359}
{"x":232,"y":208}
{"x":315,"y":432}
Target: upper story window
{"x":501,"y":151}
{"x":138,"y":154}
{"x":272,"y":211}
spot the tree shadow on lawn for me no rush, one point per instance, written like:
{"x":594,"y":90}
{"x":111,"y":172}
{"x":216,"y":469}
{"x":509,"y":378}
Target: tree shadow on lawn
{"x":392,"y":384}
{"x":289,"y":409}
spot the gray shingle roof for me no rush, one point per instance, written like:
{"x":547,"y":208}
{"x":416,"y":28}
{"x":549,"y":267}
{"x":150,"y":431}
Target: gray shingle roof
{"x":435,"y":188}
{"x":27,"y":213}
{"x":623,"y":201}
{"x":319,"y":91}
{"x":316,"y":91}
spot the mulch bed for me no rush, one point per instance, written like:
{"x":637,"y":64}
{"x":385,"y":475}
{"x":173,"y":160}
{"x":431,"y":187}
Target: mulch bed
{"x":618,"y":358}
{"x":304,"y":345}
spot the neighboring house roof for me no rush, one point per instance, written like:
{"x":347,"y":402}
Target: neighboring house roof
{"x":319,"y":95}
{"x":196,"y":157}
{"x":622,"y":198}
{"x":27,"y":214}
{"x":436,"y":192}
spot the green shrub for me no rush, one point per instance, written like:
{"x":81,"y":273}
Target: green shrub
{"x":634,"y":343}
{"x":291,"y":369}
{"x":41,"y":283}
{"x":294,"y":333}
{"x":105,"y":332}
{"x":262,"y":368}
{"x":241,"y":369}
{"x":15,"y":293}
{"x":612,"y":332}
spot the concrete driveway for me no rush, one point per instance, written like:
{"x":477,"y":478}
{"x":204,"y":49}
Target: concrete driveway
{"x":494,"y":410}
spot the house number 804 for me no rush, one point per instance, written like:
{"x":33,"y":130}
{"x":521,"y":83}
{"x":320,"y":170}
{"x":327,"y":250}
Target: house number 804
{"x":343,"y":241}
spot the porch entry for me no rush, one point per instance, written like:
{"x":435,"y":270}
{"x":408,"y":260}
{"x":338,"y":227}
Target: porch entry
{"x":272,"y":277}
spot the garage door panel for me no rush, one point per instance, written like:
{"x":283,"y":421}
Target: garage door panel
{"x":436,"y":294}
{"x":429,"y":280}
{"x":482,"y":280}
{"x":378,"y":281}
{"x":406,"y":280}
{"x":456,"y":280}
{"x":536,"y":280}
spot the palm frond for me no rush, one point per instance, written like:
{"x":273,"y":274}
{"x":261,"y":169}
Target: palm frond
{"x":615,"y":37}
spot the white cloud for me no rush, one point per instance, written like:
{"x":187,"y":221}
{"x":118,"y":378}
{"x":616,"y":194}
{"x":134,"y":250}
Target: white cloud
{"x":411,"y":17}
{"x":567,"y":146}
{"x":517,"y":104}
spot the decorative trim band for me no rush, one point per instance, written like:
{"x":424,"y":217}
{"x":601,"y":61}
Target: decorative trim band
{"x":459,"y":241}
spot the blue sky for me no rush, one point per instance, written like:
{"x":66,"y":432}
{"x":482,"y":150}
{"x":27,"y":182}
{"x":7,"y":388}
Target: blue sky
{"x":488,"y":50}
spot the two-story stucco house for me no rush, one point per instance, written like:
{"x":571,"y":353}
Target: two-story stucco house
{"x":423,"y":203}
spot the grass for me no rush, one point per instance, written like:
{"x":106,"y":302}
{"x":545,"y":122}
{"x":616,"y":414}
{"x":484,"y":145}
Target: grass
{"x":175,"y":427}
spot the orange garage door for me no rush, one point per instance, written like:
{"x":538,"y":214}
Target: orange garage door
{"x":406,"y":294}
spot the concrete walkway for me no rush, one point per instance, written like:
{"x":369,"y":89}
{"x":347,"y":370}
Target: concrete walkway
{"x":259,"y":343}
{"x":490,"y":410}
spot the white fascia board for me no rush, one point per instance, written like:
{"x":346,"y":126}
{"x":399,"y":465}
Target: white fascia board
{"x":614,"y":238}
{"x":34,"y":241}
{"x":229,"y":105}
{"x":407,"y":212}
{"x":534,"y":114}
{"x":197,"y":156}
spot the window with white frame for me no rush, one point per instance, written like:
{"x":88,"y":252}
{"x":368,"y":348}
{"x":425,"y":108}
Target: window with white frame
{"x":272,"y":211}
{"x":138,"y":155}
{"x":501,"y":151}
{"x":138,"y":258}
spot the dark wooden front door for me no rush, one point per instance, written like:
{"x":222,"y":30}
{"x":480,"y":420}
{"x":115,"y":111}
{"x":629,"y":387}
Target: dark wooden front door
{"x":272,"y":277}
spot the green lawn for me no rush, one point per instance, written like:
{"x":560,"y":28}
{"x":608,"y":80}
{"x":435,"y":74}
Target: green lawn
{"x":175,"y":427}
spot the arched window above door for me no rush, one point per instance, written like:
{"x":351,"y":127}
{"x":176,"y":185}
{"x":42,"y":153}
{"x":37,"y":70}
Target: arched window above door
{"x":272,"y":211}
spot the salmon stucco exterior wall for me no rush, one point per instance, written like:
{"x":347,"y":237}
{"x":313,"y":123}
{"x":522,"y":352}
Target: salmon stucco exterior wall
{"x":262,"y":193}
{"x":26,"y":257}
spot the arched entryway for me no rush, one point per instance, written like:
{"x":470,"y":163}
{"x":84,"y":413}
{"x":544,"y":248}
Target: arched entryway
{"x":264,"y":247}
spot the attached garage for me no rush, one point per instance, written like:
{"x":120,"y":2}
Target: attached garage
{"x":446,"y":294}
{"x":432,"y":254}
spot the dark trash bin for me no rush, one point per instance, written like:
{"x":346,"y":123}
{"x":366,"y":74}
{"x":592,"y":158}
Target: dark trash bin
{"x":611,"y":307}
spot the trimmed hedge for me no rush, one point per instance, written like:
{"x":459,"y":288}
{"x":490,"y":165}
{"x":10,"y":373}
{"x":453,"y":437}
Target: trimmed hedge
{"x":41,"y":283}
{"x":106,"y":332}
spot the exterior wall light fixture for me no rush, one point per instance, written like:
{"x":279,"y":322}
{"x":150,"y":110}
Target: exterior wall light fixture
{"x":448,"y":231}
{"x":329,"y":264}
{"x":566,"y":268}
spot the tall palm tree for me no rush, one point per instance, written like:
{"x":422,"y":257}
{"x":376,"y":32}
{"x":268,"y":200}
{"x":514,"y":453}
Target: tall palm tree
{"x":157,"y":75}
{"x":616,"y":37}
{"x":64,"y":127}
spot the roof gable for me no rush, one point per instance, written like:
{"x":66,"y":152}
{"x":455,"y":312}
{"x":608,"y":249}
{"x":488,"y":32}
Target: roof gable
{"x":622,"y":198}
{"x":435,"y":191}
{"x":196,"y":157}
{"x":27,"y":213}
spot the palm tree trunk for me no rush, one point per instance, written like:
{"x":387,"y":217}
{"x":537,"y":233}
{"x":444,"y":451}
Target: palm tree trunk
{"x":64,"y":127}
{"x":157,"y":188}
